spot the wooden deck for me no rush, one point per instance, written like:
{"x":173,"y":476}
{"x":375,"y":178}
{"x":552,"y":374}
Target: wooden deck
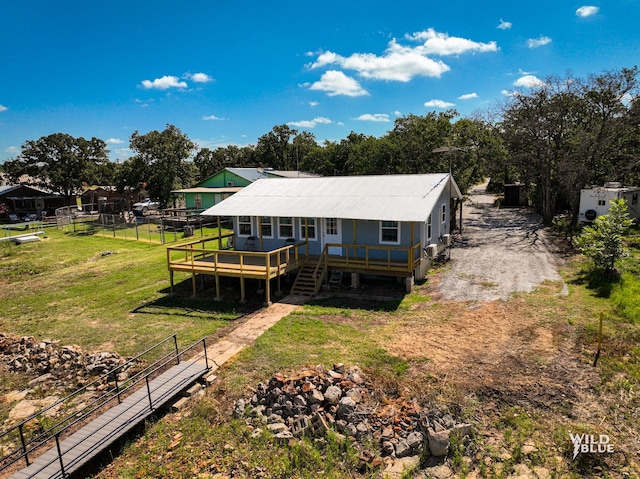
{"x":202,"y":257}
{"x":86,"y":443}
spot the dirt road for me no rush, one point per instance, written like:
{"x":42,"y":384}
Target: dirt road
{"x":501,"y":251}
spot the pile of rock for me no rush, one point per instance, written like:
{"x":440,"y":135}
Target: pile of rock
{"x":54,"y":364}
{"x":313,"y":400}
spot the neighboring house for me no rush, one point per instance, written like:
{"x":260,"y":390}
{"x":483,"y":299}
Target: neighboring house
{"x":217,"y":187}
{"x":18,"y":202}
{"x":391,"y":225}
{"x":596,"y":201}
{"x":106,"y":199}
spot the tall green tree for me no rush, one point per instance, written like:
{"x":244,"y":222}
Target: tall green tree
{"x":415,"y":137}
{"x":274,"y":149}
{"x":162,"y":162}
{"x":61,"y":163}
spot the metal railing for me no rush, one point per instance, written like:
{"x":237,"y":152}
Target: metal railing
{"x":29,"y":446}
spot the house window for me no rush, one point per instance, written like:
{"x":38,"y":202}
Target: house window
{"x":198,"y":201}
{"x":389,"y":232}
{"x":444,"y":213}
{"x":285,"y":227}
{"x":601,"y":203}
{"x":266,"y":227}
{"x":429,"y":229}
{"x":332,"y":226}
{"x":244,"y":226}
{"x":308,"y":228}
{"x":634,"y":199}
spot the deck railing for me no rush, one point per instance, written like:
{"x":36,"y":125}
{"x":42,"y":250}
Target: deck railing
{"x":215,"y":256}
{"x":211,"y":255}
{"x":375,"y":257}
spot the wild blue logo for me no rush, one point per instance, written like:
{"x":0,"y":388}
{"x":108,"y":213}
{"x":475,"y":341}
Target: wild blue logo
{"x":584,"y":443}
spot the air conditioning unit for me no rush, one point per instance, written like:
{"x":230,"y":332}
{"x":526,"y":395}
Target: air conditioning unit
{"x":431,"y":251}
{"x":231,"y":183}
{"x":446,"y":240}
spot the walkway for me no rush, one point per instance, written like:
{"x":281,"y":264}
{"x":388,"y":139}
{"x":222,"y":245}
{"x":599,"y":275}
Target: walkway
{"x":89,"y":441}
{"x":257,"y":323}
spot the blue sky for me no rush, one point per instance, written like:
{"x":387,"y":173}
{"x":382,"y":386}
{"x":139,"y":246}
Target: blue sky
{"x":227,"y":72}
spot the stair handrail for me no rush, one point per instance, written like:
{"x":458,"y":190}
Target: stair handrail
{"x":317,"y":282}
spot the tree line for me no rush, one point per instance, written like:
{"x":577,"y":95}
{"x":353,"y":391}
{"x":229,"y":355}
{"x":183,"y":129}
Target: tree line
{"x":562,"y":136}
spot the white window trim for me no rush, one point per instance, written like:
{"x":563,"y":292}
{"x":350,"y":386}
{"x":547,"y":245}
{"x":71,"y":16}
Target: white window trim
{"x":443,"y":213}
{"x":315,"y":230}
{"x":251,"y":227}
{"x":398,"y":227}
{"x":293,"y":227}
{"x":429,"y":228}
{"x":262,"y":223}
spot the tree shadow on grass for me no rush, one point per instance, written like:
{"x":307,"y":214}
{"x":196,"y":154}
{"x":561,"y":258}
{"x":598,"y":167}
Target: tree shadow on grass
{"x":600,"y":283}
{"x":203,"y":306}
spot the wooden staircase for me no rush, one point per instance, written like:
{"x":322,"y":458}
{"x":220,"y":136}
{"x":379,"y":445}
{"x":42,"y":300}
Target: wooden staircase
{"x":309,"y":279}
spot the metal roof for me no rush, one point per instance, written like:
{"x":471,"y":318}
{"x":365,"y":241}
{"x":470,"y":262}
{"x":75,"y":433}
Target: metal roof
{"x":389,"y":197}
{"x":253,"y":174}
{"x":206,"y":189}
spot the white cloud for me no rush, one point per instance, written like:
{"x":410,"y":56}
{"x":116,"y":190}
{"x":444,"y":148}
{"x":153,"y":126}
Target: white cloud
{"x":538,"y":42}
{"x":442,"y":44}
{"x":439,"y":104}
{"x":468,"y":96}
{"x":164,"y":83}
{"x":13,"y":150}
{"x":313,"y":103}
{"x":529,"y":81}
{"x":3,"y":108}
{"x":200,"y":78}
{"x":398,"y":64}
{"x":504,"y":25}
{"x":404,"y":62}
{"x":377,"y":117}
{"x":319,"y":120}
{"x":337,"y":83}
{"x":212,"y":118}
{"x":587,"y":11}
{"x":122,"y":152}
{"x":115,"y":141}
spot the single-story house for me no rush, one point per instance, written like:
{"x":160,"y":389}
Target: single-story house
{"x":226,"y":182}
{"x":392,"y":225}
{"x":18,"y":202}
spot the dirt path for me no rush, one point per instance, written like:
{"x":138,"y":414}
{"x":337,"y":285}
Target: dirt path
{"x":501,"y":251}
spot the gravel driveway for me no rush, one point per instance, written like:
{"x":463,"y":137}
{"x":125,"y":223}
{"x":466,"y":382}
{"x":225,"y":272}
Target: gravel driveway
{"x":501,"y":251}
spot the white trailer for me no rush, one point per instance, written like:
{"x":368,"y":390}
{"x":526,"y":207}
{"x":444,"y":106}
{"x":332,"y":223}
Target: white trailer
{"x":596,"y":201}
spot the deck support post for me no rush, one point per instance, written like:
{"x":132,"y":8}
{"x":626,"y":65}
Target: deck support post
{"x":279,"y":290}
{"x":194,"y":286}
{"x":218,"y":292}
{"x":242,"y":292}
{"x":355,"y":280}
{"x":408,"y":284}
{"x":267,"y":292}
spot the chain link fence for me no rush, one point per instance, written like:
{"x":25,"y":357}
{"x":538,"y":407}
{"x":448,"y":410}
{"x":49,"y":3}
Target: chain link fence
{"x":153,"y":229}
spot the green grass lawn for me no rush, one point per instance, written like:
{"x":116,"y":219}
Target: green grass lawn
{"x":100,"y":293}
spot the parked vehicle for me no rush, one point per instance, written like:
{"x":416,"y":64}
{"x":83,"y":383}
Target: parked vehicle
{"x":143,"y":207}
